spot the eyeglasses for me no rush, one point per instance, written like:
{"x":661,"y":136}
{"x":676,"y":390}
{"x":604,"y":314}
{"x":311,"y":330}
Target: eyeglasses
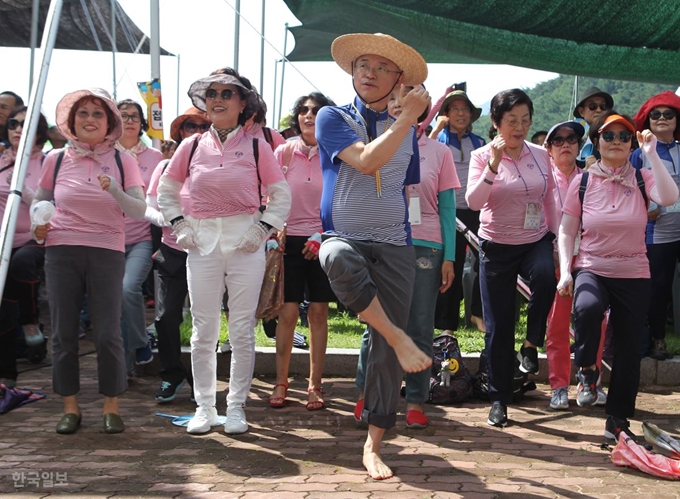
{"x":130,"y":117}
{"x":13,"y":124}
{"x":364,"y":69}
{"x":459,"y":110}
{"x":624,"y":137}
{"x":594,"y":105}
{"x":569,"y":139}
{"x":314,"y":110}
{"x":669,"y":114}
{"x":191,"y":127}
{"x":525,"y":123}
{"x":225,"y":94}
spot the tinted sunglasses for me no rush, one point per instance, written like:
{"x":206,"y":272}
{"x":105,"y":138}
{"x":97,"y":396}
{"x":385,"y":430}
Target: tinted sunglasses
{"x":305,"y":110}
{"x":594,"y":105}
{"x":226,"y":94}
{"x":624,"y":137}
{"x":191,"y":127}
{"x":669,"y":114}
{"x":559,"y":141}
{"x":12,"y":124}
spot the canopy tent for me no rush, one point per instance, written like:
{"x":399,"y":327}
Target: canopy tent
{"x":84,"y":25}
{"x":635,"y":40}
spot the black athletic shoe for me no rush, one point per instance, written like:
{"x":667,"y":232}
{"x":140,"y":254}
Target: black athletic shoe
{"x":498,"y":415}
{"x":168,"y":391}
{"x":528,"y":360}
{"x":587,"y":386}
{"x":614,"y":427}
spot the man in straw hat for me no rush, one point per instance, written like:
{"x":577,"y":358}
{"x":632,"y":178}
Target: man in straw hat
{"x":367,"y":158}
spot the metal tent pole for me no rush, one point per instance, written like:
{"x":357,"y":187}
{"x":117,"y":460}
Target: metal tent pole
{"x":237,"y":26}
{"x":9,"y":219}
{"x":262,"y":49}
{"x":113,"y":48}
{"x":177,"y":93}
{"x":283,"y":74}
{"x":276,"y":71}
{"x":35,"y":17}
{"x":155,"y":50}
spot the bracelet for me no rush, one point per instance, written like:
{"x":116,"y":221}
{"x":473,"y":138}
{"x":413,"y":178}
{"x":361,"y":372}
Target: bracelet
{"x":487,"y":181}
{"x":176,"y":219}
{"x":488,"y":165}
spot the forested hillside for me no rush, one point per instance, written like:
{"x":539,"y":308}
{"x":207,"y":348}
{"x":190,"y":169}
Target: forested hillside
{"x":553,"y":99}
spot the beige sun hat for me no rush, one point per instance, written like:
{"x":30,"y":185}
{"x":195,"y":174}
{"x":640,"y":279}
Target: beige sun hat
{"x":346,"y":48}
{"x":69,"y":100}
{"x":198,"y":88}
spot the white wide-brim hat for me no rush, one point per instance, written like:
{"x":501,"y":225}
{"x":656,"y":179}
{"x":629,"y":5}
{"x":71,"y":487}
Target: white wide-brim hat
{"x":69,"y":100}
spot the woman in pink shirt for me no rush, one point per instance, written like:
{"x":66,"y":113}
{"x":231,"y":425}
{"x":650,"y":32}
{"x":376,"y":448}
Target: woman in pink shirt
{"x":511,"y":182}
{"x":93,"y":185}
{"x":609,"y":203}
{"x":28,"y":257}
{"x":138,"y":245}
{"x":224,"y":232}
{"x":299,"y":160}
{"x":563,"y":143}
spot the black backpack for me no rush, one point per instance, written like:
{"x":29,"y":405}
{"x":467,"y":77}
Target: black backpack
{"x":520,"y":382}
{"x":445,"y":347}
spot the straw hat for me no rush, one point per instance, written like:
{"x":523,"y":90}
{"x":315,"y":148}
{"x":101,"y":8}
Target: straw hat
{"x":198,"y":88}
{"x":346,"y":48}
{"x":178,"y":122}
{"x":475,"y":112}
{"x":69,"y":100}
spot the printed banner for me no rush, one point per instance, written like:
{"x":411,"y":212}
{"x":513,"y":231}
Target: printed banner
{"x":151,"y":93}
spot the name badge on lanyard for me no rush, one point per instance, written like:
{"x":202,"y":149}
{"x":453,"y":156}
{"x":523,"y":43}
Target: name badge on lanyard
{"x":414,"y":213}
{"x":532,"y":216}
{"x":675,"y":207}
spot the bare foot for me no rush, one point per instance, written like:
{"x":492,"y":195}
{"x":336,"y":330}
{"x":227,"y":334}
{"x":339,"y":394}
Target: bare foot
{"x":375,"y":466}
{"x":411,"y":358}
{"x":479,"y":322}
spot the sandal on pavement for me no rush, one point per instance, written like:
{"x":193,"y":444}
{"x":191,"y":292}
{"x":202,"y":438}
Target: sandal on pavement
{"x":278,"y":402}
{"x":315,"y":405}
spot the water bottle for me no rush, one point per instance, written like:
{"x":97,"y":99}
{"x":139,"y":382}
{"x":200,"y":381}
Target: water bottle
{"x":42,"y":212}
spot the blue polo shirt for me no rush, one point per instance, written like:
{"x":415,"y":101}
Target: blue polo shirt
{"x":461,"y":151}
{"x":350,"y":205}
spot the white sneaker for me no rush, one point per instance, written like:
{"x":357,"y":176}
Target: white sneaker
{"x":236,"y":421}
{"x":203,"y":420}
{"x":601,"y":396}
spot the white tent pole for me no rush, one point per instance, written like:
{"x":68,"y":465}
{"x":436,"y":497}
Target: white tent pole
{"x":237,"y":27}
{"x":262,"y":49}
{"x":283,"y":74}
{"x":155,"y":51}
{"x":35,"y":17}
{"x":276,"y":71}
{"x":113,"y":47}
{"x":9,"y":219}
{"x":177,"y":93}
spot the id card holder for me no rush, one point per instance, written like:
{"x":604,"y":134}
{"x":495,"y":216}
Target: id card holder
{"x":414,"y":214}
{"x":675,"y":207}
{"x":532,"y":217}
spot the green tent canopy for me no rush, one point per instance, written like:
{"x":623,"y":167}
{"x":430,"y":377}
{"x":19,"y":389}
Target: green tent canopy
{"x":635,"y":40}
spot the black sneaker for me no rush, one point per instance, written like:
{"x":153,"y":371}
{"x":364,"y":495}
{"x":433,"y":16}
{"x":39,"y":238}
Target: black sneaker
{"x":616,"y":426}
{"x":168,"y":391}
{"x":498,"y":415}
{"x":528,"y":360}
{"x":658,"y":350}
{"x":587,"y":386}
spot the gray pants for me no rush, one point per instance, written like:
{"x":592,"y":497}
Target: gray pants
{"x":70,"y":272}
{"x":358,"y":271}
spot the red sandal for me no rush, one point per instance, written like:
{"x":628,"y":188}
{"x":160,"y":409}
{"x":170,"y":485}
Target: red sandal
{"x":278,"y":402}
{"x":315,"y":405}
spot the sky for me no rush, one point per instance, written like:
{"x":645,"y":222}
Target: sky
{"x":203,"y":36}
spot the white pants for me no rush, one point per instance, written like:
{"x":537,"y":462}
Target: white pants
{"x":207,"y":276}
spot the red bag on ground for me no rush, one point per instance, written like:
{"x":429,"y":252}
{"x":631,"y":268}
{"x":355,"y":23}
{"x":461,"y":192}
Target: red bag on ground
{"x":628,"y":453}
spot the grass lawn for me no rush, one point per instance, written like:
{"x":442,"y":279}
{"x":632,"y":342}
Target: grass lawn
{"x":345,"y":332}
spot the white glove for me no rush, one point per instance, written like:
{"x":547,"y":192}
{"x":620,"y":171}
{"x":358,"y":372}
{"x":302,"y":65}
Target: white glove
{"x":184,"y":234}
{"x":253,"y":239}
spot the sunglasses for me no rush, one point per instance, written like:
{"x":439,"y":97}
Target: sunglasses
{"x":669,"y":114}
{"x":594,"y":105}
{"x":314,"y":110}
{"x":191,"y":127}
{"x":226,"y":94}
{"x":13,"y":124}
{"x":624,"y":137}
{"x":569,"y":139}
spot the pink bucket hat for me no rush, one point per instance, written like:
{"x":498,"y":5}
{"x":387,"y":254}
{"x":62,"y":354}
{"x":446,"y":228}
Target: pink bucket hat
{"x":69,"y":100}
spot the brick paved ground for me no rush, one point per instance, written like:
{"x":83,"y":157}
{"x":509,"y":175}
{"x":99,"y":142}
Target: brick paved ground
{"x":294,"y":454}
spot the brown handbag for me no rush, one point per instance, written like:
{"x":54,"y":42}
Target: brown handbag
{"x":271,"y":293}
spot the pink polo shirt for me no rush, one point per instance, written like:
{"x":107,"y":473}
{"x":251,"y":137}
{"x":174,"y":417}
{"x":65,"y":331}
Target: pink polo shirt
{"x":138,"y":230}
{"x":437,"y":174}
{"x":224,"y":179}
{"x":168,"y":238}
{"x":562,"y":183}
{"x":22,"y":232}
{"x":518,"y":183}
{"x":614,"y":219}
{"x":277,"y":139}
{"x":86,"y":214}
